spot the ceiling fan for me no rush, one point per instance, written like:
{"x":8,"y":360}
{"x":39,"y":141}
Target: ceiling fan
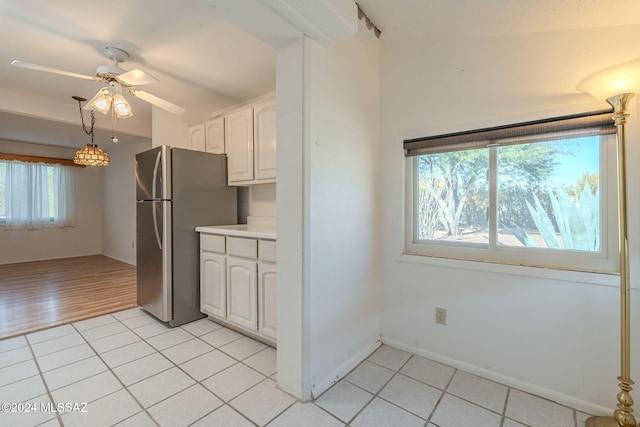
{"x":117,"y":80}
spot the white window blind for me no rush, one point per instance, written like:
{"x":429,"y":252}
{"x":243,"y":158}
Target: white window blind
{"x":597,"y":123}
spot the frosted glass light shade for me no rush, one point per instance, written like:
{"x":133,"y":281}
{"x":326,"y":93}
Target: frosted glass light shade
{"x":101,"y":101}
{"x":615,"y":80}
{"x":121,"y":106}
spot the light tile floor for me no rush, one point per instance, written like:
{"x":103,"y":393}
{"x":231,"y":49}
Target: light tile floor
{"x":133,"y":371}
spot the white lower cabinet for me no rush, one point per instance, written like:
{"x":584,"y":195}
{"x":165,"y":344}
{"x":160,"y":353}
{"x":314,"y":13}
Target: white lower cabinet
{"x":238,"y":283}
{"x":213,"y":284}
{"x":242,"y":293}
{"x":267,"y":300}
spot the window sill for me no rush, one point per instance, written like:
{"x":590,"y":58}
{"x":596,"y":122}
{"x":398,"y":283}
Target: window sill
{"x":514,"y":270}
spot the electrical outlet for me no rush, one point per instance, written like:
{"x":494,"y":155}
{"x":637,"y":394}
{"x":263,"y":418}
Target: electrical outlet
{"x":133,"y":243}
{"x":441,"y":316}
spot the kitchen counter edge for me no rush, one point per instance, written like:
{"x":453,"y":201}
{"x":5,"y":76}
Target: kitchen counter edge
{"x":239,"y":230}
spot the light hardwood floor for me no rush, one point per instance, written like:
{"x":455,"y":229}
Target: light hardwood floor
{"x":41,"y":294}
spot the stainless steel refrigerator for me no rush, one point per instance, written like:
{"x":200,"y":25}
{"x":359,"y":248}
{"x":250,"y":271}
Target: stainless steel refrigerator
{"x":176,"y":190}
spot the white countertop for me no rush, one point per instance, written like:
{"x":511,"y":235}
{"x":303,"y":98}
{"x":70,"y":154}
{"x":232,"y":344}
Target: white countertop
{"x":241,"y":230}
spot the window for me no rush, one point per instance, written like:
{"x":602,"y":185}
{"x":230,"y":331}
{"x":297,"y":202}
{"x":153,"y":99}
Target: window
{"x":539,"y":194}
{"x":36,"y":195}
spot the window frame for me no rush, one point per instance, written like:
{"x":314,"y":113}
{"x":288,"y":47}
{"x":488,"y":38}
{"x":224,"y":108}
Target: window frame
{"x":606,"y":261}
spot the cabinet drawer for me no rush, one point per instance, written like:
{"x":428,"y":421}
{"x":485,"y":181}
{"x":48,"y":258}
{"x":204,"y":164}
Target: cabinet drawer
{"x":212,"y":243}
{"x":246,"y":248}
{"x":267,"y":250}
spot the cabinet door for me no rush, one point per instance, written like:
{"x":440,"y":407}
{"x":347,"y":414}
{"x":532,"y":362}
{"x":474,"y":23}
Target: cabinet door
{"x":214,"y":135}
{"x":239,"y":132}
{"x":264,"y":121}
{"x":242,"y":293}
{"x":196,"y":137}
{"x":213,"y":284}
{"x":267,"y":300}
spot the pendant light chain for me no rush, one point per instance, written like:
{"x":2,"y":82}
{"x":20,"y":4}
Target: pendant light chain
{"x":93,"y":121}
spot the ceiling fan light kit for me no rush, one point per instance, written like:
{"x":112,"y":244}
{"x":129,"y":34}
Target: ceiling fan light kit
{"x":110,"y":96}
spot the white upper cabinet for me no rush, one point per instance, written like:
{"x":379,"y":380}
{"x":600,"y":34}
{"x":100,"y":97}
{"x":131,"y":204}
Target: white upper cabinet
{"x":208,"y":136}
{"x":214,"y":135}
{"x":264,"y":140}
{"x":197,"y":137}
{"x":251,"y":143}
{"x":247,"y":136}
{"x":239,"y":139}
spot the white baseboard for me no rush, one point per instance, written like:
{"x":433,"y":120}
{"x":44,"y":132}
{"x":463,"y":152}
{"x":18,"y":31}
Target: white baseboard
{"x":563,"y":399}
{"x":119,"y":259}
{"x":344,"y":369}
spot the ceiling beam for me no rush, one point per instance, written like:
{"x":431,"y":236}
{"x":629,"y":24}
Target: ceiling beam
{"x":325,"y":21}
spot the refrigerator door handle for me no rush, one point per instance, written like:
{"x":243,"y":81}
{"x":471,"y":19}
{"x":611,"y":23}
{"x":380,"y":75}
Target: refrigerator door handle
{"x":155,"y":175}
{"x":153,"y":196}
{"x":155,"y":223}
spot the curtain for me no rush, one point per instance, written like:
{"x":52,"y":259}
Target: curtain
{"x":38,"y":195}
{"x":64,"y":196}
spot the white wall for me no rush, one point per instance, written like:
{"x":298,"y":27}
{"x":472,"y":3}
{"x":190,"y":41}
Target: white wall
{"x":48,"y":243}
{"x":291,"y":222}
{"x":556,"y":336}
{"x":342,"y":142}
{"x":119,"y":219}
{"x":261,"y":200}
{"x":336,"y":204}
{"x":168,"y":129}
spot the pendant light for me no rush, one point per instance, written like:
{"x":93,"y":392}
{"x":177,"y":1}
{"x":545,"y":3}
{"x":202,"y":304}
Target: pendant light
{"x":91,"y":154}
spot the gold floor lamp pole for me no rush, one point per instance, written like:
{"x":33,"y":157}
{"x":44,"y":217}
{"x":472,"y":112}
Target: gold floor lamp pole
{"x":617,"y":85}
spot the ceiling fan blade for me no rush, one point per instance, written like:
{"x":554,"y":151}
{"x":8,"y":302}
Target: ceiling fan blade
{"x":158,"y":102}
{"x":136,"y":77}
{"x":37,"y":67}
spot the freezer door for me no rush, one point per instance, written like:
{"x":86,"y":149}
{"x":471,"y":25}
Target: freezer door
{"x":153,"y":257}
{"x":153,"y":174}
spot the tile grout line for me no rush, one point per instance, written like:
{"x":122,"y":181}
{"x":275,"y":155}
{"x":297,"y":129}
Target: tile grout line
{"x":174,"y":365}
{"x":179,"y":368}
{"x":504,"y":407}
{"x":444,"y":392}
{"x":116,"y":377}
{"x":46,"y":386}
{"x":197,"y":381}
{"x":395,"y":373}
{"x":109,"y":369}
{"x":224,"y":402}
{"x":228,"y":403}
{"x":75,"y":330}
